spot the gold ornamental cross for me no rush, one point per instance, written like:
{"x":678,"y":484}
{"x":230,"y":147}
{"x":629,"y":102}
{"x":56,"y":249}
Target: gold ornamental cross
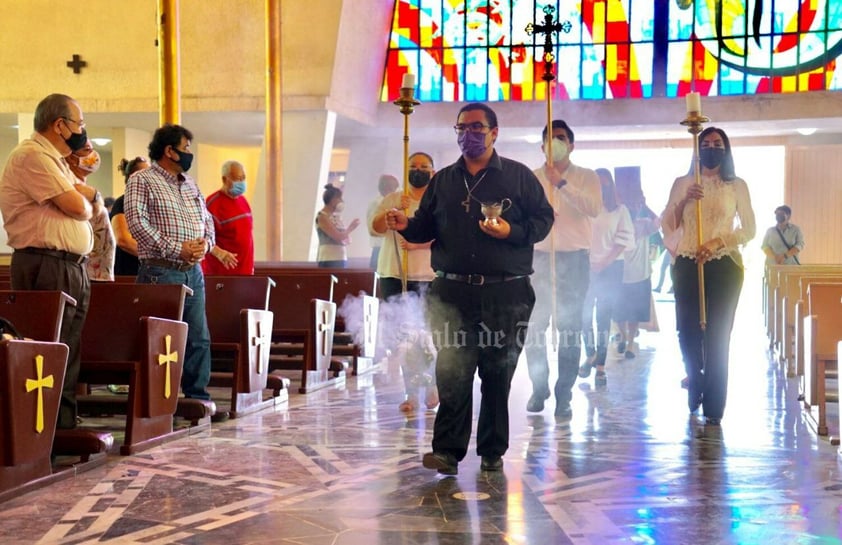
{"x":39,"y":384}
{"x":166,"y":359}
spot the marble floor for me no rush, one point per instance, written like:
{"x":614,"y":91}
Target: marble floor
{"x":343,"y":467}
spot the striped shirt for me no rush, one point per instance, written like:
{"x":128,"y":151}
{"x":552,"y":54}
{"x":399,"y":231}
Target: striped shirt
{"x":163,"y":210}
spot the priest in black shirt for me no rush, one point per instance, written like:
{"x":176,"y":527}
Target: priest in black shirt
{"x":480,"y":302}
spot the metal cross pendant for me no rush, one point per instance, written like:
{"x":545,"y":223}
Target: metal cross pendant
{"x":467,"y":204}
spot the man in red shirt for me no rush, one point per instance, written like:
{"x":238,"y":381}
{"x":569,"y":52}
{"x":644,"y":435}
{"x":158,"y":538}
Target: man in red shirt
{"x":232,"y":219}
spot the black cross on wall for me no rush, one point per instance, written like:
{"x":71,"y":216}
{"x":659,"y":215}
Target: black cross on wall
{"x":77,"y":64}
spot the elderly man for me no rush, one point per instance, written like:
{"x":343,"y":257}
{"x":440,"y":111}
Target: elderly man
{"x":167,"y":216}
{"x":233,"y":224}
{"x":47,"y":215}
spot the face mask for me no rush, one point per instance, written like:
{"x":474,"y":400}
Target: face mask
{"x":560,"y":150}
{"x":77,"y":140}
{"x":711,"y":157}
{"x":419,"y":178}
{"x":237,"y":189}
{"x":184,"y":160}
{"x":90,"y":163}
{"x":339,"y":207}
{"x":472,"y":144}
{"x":780,"y":218}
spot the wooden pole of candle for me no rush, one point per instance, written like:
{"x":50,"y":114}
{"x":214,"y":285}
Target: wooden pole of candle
{"x":407,"y":103}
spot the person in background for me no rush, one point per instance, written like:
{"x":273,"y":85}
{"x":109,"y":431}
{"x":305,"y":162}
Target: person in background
{"x":613,"y":235}
{"x":47,"y":217}
{"x":482,"y":286}
{"x":783,"y":241}
{"x":575,"y":195}
{"x":167,"y":216}
{"x":233,"y":224}
{"x":634,"y":304}
{"x":727,"y":223}
{"x":108,"y":202}
{"x":333,"y":235}
{"x":385,"y":185}
{"x":416,"y":353}
{"x":100,"y":264}
{"x":125,"y":259}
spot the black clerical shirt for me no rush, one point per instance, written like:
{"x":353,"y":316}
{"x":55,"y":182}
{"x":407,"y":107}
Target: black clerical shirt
{"x":459,"y":246}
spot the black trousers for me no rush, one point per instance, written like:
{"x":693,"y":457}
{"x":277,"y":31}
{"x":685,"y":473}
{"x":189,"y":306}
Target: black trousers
{"x":391,"y":287}
{"x":476,"y":328}
{"x":705,"y":353}
{"x":572,"y":270}
{"x":43,"y":272}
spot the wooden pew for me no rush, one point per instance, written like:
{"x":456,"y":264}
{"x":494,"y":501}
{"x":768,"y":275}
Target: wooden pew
{"x":31,"y":378}
{"x":133,"y":335}
{"x":241,"y":331}
{"x":799,"y":309}
{"x":38,"y":315}
{"x":788,"y":294}
{"x":358,"y":283}
{"x":822,"y":332}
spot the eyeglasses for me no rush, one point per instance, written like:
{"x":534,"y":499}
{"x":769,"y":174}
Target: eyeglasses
{"x":476,"y":126}
{"x":80,"y":124}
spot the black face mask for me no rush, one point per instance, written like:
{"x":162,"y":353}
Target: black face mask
{"x":711,"y":157}
{"x":77,"y":141}
{"x":780,"y":218}
{"x":184,"y":160}
{"x":419,"y":178}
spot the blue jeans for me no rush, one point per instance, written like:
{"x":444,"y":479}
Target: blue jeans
{"x":197,"y":360}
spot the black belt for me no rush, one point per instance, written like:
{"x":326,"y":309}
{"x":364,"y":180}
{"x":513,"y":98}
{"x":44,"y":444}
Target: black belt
{"x":179,"y":266}
{"x":478,"y":279}
{"x":58,"y":254}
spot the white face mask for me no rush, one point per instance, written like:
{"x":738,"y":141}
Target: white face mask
{"x":340,"y":206}
{"x":560,"y":150}
{"x":90,"y":163}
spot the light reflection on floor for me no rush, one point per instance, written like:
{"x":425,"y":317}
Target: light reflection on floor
{"x":342,"y":467}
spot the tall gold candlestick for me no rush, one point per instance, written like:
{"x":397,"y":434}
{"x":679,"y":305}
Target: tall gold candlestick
{"x":407,"y":103}
{"x":694,"y":122}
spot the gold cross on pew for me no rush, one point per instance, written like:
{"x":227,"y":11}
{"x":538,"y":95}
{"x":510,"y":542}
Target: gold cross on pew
{"x":39,"y":384}
{"x":166,"y":359}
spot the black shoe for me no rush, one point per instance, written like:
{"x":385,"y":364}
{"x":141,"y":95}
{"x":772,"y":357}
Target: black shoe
{"x":445,"y":464}
{"x":713,"y":421}
{"x":491,"y":463}
{"x":536,"y":402}
{"x":629,"y":355}
{"x":600,"y":379}
{"x":585,"y":368}
{"x":621,"y":347}
{"x":220,"y":416}
{"x":563,"y":411}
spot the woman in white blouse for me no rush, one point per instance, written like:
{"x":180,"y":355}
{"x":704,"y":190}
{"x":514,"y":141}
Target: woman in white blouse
{"x":727,"y":224}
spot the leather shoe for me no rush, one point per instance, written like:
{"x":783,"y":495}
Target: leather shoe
{"x":536,"y":402}
{"x":444,"y":463}
{"x":491,"y":463}
{"x":220,"y":416}
{"x":713,"y":421}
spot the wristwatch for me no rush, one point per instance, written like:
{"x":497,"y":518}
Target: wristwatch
{"x":97,"y":196}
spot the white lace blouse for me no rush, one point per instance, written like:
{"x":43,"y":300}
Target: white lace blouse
{"x":726,"y":214}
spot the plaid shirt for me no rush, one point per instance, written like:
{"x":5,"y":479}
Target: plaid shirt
{"x":163,"y":210}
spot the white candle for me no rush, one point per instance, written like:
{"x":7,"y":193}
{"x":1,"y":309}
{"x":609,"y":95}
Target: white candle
{"x":408,"y":81}
{"x":694,"y":102}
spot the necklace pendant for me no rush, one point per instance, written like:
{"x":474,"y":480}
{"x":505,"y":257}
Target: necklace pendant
{"x":467,"y":204}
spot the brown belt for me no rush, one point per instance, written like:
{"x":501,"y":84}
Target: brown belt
{"x":58,"y":254}
{"x":167,"y":264}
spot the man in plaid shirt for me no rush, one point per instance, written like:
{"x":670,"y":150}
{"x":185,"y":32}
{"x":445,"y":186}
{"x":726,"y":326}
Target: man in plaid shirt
{"x":166,"y":214}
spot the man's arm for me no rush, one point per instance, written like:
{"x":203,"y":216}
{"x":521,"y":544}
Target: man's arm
{"x":74,"y":204}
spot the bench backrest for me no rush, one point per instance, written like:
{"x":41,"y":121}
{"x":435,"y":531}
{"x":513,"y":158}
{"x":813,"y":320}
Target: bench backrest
{"x":35,"y":314}
{"x":111,"y":327}
{"x":226,"y":296}
{"x":825,"y":302}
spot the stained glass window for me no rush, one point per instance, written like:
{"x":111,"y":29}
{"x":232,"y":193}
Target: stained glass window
{"x":478,"y":50}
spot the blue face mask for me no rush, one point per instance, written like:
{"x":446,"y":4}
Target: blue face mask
{"x":237,"y":189}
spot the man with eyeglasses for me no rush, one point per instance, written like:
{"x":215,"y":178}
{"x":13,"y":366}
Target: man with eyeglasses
{"x":481,"y":298}
{"x":47,"y":215}
{"x":167,"y":216}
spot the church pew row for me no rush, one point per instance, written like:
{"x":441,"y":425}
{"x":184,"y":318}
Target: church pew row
{"x":241,"y":329}
{"x":134,"y":335}
{"x":822,"y":333}
{"x":791,"y":289}
{"x":296,"y":286}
